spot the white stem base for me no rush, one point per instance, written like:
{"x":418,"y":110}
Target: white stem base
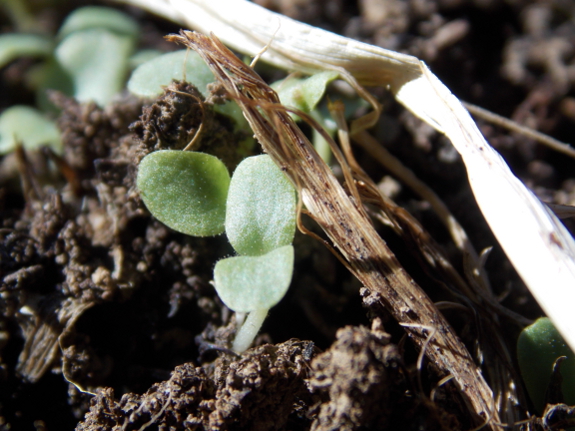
{"x":246,"y":334}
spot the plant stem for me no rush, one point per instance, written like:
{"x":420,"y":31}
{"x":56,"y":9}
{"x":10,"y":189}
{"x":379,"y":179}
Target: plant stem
{"x":246,"y":334}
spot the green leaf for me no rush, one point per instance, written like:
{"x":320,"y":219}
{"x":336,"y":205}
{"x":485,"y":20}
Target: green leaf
{"x":248,"y":283}
{"x":28,"y":126}
{"x":50,"y":76}
{"x":261,"y":212}
{"x":304,"y":94}
{"x":16,"y":45}
{"x":97,"y":61}
{"x":539,"y":345}
{"x":185,"y":190}
{"x":142,"y":56}
{"x":149,"y":79}
{"x":104,"y":18}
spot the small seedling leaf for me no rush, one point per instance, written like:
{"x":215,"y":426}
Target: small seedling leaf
{"x":304,"y":94}
{"x":97,"y":60}
{"x":248,"y":283}
{"x":106,"y":18}
{"x":539,"y":345}
{"x":13,"y":46}
{"x":261,"y":212}
{"x":149,"y":79}
{"x":143,"y":56}
{"x":185,"y":190}
{"x":28,"y":126}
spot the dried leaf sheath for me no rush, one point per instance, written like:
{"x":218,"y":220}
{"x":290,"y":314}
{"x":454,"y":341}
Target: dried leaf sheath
{"x":347,"y":227}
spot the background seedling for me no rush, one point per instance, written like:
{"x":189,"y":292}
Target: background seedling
{"x":25,"y":124}
{"x":538,"y":347}
{"x":88,"y":59}
{"x":149,"y":79}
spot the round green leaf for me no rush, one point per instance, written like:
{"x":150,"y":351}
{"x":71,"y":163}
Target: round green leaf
{"x":261,"y":205}
{"x":28,"y":126}
{"x":248,"y":283}
{"x":97,"y":61}
{"x":538,"y":347}
{"x":149,"y":79}
{"x":16,"y":45}
{"x":106,"y":18}
{"x":185,"y":190}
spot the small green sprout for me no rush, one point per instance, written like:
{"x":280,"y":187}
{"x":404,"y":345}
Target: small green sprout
{"x":260,"y":210}
{"x":305,"y":94}
{"x":191,"y":193}
{"x":538,"y":347}
{"x":28,"y":125}
{"x":150,"y":78}
{"x":88,"y":59}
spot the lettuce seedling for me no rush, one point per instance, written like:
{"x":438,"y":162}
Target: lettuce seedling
{"x":191,"y":193}
{"x":88,"y":59}
{"x":538,"y":347}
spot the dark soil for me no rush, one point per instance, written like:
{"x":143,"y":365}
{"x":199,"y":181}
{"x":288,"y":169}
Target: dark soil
{"x":108,"y":318}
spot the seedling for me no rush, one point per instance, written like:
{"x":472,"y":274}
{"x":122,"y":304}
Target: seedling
{"x":88,"y":59}
{"x":260,"y":210}
{"x":25,"y":124}
{"x":538,"y":347}
{"x":191,"y":193}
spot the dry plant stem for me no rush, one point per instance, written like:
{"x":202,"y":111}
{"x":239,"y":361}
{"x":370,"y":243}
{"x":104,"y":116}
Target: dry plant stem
{"x":398,"y":169}
{"x":513,"y":126}
{"x":348,"y":228}
{"x":477,"y":289}
{"x":475,"y":295}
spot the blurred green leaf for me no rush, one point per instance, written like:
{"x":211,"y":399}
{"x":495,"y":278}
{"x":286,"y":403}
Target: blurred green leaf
{"x":16,"y":45}
{"x":99,"y":17}
{"x":149,"y":79}
{"x":304,"y":93}
{"x":28,"y":126}
{"x":142,"y":56}
{"x":97,"y":62}
{"x":538,"y":347}
{"x":248,"y":283}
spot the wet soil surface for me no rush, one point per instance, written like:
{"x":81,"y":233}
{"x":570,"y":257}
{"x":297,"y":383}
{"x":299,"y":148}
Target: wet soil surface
{"x":108,"y":318}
